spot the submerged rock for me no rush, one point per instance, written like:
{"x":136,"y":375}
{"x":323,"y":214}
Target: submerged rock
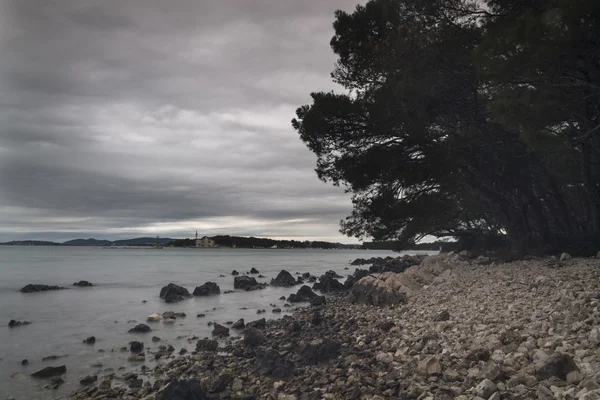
{"x":32,"y":288}
{"x":184,"y":390}
{"x":49,"y":372}
{"x":247,"y":283}
{"x":136,"y":347}
{"x":141,"y":328}
{"x":90,"y":340}
{"x":207,"y":345}
{"x":284,"y":279}
{"x":220,"y":330}
{"x":254,"y":271}
{"x":305,"y":293}
{"x":13,"y":323}
{"x":208,"y":289}
{"x":173,"y":293}
{"x":83,"y":284}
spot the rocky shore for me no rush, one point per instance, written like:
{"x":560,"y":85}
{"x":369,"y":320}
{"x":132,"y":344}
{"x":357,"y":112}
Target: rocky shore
{"x":450,"y":328}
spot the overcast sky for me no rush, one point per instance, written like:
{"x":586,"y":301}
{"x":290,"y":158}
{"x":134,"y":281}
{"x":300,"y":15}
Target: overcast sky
{"x":149,"y":117}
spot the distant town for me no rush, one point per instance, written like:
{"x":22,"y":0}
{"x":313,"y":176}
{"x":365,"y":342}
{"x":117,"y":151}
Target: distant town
{"x":226,"y":241}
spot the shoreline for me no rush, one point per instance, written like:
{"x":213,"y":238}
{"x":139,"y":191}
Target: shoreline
{"x":471,"y":331}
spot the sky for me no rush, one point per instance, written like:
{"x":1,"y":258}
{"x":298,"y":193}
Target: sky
{"x":128,"y":118}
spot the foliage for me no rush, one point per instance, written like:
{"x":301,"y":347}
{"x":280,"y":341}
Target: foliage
{"x":465,"y":118}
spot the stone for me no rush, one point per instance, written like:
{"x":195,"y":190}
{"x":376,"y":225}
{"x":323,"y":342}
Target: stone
{"x":320,"y":351}
{"x":90,"y":340}
{"x":190,"y":389}
{"x":208,"y":289}
{"x":56,"y":382}
{"x":49,"y":372}
{"x":328,"y":284}
{"x":574,"y":377}
{"x":557,"y":364}
{"x":276,"y":310}
{"x":136,"y":347}
{"x":318,"y":301}
{"x":169,"y":315}
{"x":207,"y":345}
{"x":429,"y":366}
{"x":220,"y":330}
{"x":259,"y":324}
{"x":253,"y":337}
{"x":155,"y":339}
{"x":239,"y":324}
{"x":565,"y":257}
{"x":486,"y":389}
{"x":140,"y":328}
{"x":33,"y":288}
{"x":247,"y":283}
{"x":83,"y":284}
{"x":305,"y":293}
{"x":442,"y":316}
{"x":104,"y":385}
{"x":316,"y":318}
{"x":385,"y":289}
{"x":88,"y":379}
{"x":254,"y":271}
{"x":385,"y":358}
{"x":153,"y":318}
{"x":234,"y":273}
{"x":14,"y":323}
{"x":25,"y":362}
{"x":173,"y":293}
{"x":283,"y":279}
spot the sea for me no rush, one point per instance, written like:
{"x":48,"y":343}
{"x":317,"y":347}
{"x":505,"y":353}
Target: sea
{"x":127,"y":282}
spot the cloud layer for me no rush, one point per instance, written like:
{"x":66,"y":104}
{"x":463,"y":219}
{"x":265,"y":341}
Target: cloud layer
{"x":121,"y":118}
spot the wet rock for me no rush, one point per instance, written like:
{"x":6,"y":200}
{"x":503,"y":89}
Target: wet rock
{"x":105,"y":385}
{"x":32,"y":288}
{"x":136,"y":347}
{"x":169,"y":315}
{"x":316,"y":318}
{"x":190,"y":389}
{"x":90,"y":340}
{"x":200,"y":315}
{"x":320,"y":351}
{"x":328,"y":284}
{"x":155,"y":339}
{"x":386,"y":326}
{"x":220,"y":330}
{"x":56,"y":382}
{"x":254,"y":271}
{"x":52,"y":358}
{"x":234,"y":273}
{"x":207,"y":345}
{"x":140,"y":328}
{"x":25,"y":362}
{"x":49,"y":372}
{"x":208,"y":289}
{"x":14,"y":323}
{"x":283,"y":279}
{"x":83,"y":284}
{"x":276,"y":310}
{"x":382,"y":290}
{"x":318,"y":301}
{"x":247,"y":283}
{"x":557,"y":364}
{"x":88,"y":380}
{"x":305,"y":293}
{"x":258,"y":324}
{"x":173,"y":293}
{"x":253,"y":337}
{"x":153,"y":317}
{"x":136,"y":384}
{"x":239,"y":324}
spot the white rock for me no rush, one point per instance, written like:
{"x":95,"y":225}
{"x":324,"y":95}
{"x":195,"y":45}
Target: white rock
{"x":153,"y":317}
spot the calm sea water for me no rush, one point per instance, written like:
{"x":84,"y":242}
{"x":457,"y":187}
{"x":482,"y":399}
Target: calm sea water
{"x":61,"y":320}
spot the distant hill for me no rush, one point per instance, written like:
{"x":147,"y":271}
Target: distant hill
{"x":143,"y":241}
{"x":87,"y":242}
{"x":30,"y":243}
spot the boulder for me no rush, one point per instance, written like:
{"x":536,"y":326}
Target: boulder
{"x":234,"y":273}
{"x":486,"y":389}
{"x":83,"y":284}
{"x":140,"y":328}
{"x":276,"y":310}
{"x":189,"y":389}
{"x":305,"y":293}
{"x":316,"y":318}
{"x":49,"y":372}
{"x":90,"y":340}
{"x":318,"y":301}
{"x":209,"y":288}
{"x":169,"y":315}
{"x":24,"y":362}
{"x":429,"y":366}
{"x":173,"y":293}
{"x":320,"y":351}
{"x":239,"y":324}
{"x":88,"y":380}
{"x":273,"y":364}
{"x":254,"y":271}
{"x":13,"y":323}
{"x":136,"y":347}
{"x":32,"y":288}
{"x":283,"y":279}
{"x":206,"y":345}
{"x":355,"y":277}
{"x":220,"y":330}
{"x":388,"y":288}
{"x":328,"y":284}
{"x":253,"y":337}
{"x":247,"y":283}
{"x":557,"y":364}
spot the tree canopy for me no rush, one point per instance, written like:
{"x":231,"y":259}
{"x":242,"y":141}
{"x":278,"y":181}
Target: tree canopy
{"x":465,"y":118}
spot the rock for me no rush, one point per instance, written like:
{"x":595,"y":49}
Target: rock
{"x":234,"y":273}
{"x":25,"y":362}
{"x":17,"y":376}
{"x":136,"y":384}
{"x":104,"y":385}
{"x":239,"y":324}
{"x":253,"y":337}
{"x":49,"y":372}
{"x":13,"y":323}
{"x":486,"y":388}
{"x":141,"y":328}
{"x":200,"y":315}
{"x":320,"y":351}
{"x":283,"y":297}
{"x":574,"y":377}
{"x":137,"y":357}
{"x":598,"y":255}
{"x":220,"y":330}
{"x":254,"y":271}
{"x":182,"y":351}
{"x":208,"y":289}
{"x":207,"y":345}
{"x":318,"y":301}
{"x":316,"y":318}
{"x":283,"y":279}
{"x":276,"y":311}
{"x":557,"y":364}
{"x":56,"y":382}
{"x":429,"y":366}
{"x":136,"y":347}
{"x":305,"y":293}
{"x":247,"y":283}
{"x":385,"y":358}
{"x":565,"y":257}
{"x":442,"y":316}
{"x":83,"y":284}
{"x":190,"y":389}
{"x":169,"y":315}
{"x":32,"y":288}
{"x":90,"y":340}
{"x":52,"y":358}
{"x":155,"y":339}
{"x":173,"y":293}
{"x":153,"y":318}
{"x":328,"y":284}
{"x":386,"y":326}
{"x":385,"y":289}
{"x":258,"y":324}
{"x":88,"y":379}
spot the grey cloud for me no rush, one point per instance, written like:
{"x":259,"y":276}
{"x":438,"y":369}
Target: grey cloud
{"x":126,"y":117}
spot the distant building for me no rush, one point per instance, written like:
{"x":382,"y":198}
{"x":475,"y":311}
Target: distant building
{"x":205,"y":241}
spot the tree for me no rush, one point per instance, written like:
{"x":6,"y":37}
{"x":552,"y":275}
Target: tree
{"x":432,"y":136}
